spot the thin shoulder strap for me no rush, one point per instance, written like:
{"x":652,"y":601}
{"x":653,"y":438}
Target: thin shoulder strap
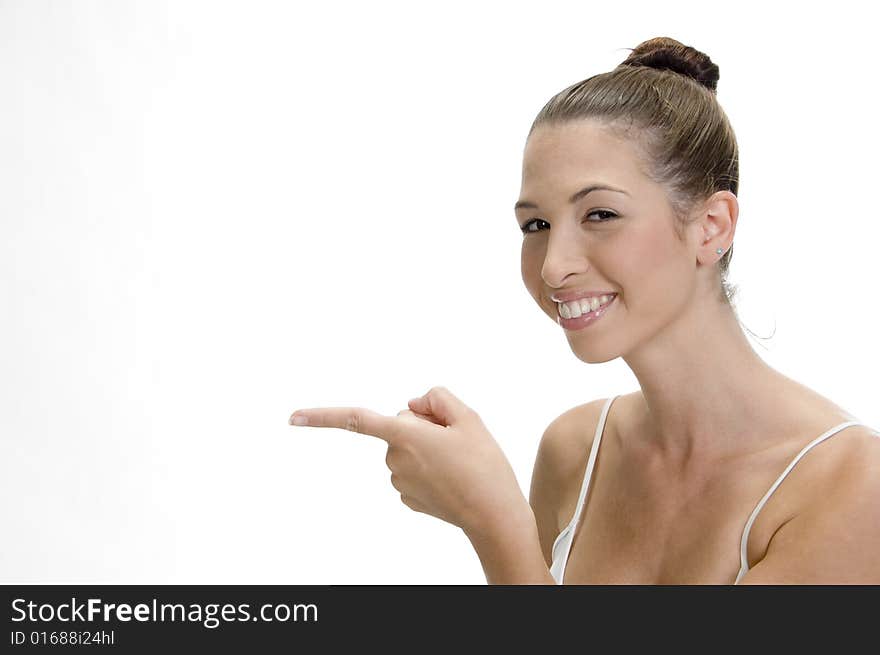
{"x":591,"y":462}
{"x":743,"y":557}
{"x":585,"y":485}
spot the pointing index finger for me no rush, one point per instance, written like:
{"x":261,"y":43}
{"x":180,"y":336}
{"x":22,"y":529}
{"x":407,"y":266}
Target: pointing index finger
{"x":353,"y":419}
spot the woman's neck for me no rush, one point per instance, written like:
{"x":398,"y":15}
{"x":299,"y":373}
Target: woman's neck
{"x":704,"y":387}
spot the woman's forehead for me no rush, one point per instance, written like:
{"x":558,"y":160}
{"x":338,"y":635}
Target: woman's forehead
{"x":580,"y":145}
{"x":571,"y":156}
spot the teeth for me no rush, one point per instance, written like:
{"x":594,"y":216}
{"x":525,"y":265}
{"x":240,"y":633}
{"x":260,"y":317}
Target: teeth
{"x":577,"y":308}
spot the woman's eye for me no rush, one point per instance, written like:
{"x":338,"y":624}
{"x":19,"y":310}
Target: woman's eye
{"x":608,"y":215}
{"x":525,"y":228}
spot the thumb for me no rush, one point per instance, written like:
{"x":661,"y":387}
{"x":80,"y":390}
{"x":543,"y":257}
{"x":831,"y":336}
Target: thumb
{"x":443,"y":404}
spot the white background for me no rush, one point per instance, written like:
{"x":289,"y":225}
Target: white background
{"x":213,"y":214}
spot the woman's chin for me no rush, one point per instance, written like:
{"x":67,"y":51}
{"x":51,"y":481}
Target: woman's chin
{"x":595,"y":357}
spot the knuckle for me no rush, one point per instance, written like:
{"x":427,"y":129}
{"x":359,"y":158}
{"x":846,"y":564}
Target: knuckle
{"x":401,"y":441}
{"x":353,"y":422}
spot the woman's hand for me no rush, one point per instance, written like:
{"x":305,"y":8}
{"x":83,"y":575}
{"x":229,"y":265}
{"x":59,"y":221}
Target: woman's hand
{"x":443,"y":460}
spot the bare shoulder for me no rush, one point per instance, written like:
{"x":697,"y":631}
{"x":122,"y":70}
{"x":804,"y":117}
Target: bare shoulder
{"x":835,"y":533}
{"x":566,"y":441}
{"x":849,"y":458}
{"x":855,"y":472}
{"x":850,"y":455}
{"x":559,"y":466}
{"x":565,"y":444}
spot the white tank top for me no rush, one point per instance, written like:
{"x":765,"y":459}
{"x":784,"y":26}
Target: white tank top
{"x":562,"y":545}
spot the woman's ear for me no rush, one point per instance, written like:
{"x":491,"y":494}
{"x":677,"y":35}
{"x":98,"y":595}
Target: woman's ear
{"x":717,"y":225}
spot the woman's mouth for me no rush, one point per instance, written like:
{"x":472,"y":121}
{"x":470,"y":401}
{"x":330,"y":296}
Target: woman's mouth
{"x":582,"y":313}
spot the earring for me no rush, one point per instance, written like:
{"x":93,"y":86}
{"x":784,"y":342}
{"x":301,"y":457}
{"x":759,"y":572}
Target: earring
{"x":718,"y":251}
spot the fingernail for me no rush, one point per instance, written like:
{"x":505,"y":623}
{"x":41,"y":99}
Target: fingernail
{"x":299,"y":419}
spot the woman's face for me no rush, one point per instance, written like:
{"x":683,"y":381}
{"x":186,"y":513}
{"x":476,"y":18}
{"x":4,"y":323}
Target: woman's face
{"x":621,"y":242}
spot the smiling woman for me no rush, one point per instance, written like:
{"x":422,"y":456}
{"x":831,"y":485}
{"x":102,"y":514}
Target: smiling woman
{"x":628,"y":210}
{"x":719,"y":469}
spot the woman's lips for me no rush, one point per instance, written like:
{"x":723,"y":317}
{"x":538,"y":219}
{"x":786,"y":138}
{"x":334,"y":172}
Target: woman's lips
{"x":584,"y":320}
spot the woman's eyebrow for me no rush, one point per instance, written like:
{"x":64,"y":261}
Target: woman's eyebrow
{"x":526,"y":204}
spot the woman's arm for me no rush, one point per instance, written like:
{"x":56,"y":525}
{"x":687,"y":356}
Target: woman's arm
{"x":519,"y":551}
{"x":510,"y":552}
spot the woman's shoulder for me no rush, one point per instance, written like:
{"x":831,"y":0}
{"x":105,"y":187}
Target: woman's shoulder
{"x":845,"y":448}
{"x":846,"y":468}
{"x":846,"y":451}
{"x":850,"y":462}
{"x":832,"y":528}
{"x":559,"y":468}
{"x":825,"y":516}
{"x":566,"y":443}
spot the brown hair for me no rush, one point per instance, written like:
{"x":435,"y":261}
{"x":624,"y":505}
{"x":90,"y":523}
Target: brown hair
{"x":666,"y":90}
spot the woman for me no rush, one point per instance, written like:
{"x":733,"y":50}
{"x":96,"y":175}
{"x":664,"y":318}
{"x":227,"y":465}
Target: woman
{"x":719,"y":469}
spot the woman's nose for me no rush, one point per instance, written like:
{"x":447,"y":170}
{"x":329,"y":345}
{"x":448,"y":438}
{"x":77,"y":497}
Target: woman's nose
{"x":565,"y":254}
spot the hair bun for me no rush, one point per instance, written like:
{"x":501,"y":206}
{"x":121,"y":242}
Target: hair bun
{"x":665,"y":53}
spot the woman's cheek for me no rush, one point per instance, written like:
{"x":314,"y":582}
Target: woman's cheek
{"x":531,"y":262}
